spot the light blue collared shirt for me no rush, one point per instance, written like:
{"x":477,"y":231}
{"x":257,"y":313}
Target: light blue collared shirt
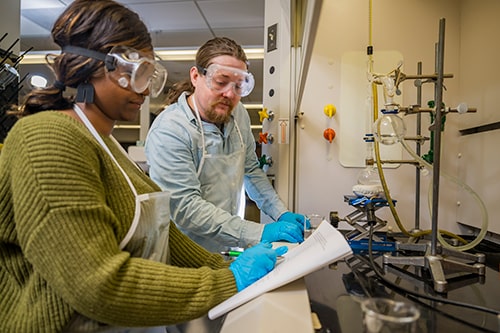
{"x":174,"y":150}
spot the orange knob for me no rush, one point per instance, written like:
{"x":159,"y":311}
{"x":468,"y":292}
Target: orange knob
{"x":262,"y":137}
{"x":329,"y":134}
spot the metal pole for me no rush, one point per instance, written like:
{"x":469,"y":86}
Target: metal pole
{"x":418,"y":151}
{"x":437,"y":136}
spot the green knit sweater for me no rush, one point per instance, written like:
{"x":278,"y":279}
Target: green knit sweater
{"x":64,"y":208}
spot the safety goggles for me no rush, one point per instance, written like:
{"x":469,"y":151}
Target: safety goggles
{"x":129,"y":68}
{"x":222,"y":78}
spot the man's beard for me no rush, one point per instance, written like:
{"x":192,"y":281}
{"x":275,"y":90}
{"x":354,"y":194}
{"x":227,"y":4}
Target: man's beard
{"x":216,"y":117}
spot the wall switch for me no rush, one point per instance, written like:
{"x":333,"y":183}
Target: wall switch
{"x":272,"y":37}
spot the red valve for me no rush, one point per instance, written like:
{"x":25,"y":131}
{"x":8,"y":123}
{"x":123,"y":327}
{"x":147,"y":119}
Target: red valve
{"x":263,"y":137}
{"x":329,"y":134}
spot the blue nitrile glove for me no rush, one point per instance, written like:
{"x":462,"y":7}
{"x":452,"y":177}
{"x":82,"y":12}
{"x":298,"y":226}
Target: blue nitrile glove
{"x":295,"y":218}
{"x":283,"y":231}
{"x":254,"y":263}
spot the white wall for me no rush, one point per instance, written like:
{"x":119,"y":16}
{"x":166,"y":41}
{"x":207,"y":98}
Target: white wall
{"x":411,"y":28}
{"x":478,"y":159}
{"x":10,"y":18}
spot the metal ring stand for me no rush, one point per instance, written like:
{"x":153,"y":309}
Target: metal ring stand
{"x":436,"y":259}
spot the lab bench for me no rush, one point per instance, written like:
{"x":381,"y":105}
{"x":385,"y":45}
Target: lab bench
{"x":333,"y":295}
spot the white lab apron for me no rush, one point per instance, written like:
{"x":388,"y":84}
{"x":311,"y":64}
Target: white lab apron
{"x":146,"y":238}
{"x":221,"y":175}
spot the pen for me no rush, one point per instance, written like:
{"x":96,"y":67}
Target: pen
{"x":233,"y":253}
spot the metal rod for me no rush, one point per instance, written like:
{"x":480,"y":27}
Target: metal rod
{"x":426,"y":76}
{"x":417,"y":109}
{"x":421,"y":139}
{"x":8,"y":52}
{"x":400,"y":162}
{"x":3,"y":37}
{"x":418,"y":151}
{"x":437,"y":136}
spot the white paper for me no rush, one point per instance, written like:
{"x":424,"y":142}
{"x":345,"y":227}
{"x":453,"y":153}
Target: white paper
{"x":325,"y":246}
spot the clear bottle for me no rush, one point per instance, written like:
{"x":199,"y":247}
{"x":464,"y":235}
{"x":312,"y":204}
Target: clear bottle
{"x":369,"y":175}
{"x":368,"y":181}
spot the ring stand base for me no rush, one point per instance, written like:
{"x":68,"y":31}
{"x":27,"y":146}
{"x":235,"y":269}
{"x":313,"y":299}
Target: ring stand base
{"x":445,"y":262}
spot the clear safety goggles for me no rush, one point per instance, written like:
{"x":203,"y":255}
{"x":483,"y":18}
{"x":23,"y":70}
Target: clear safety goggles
{"x":222,"y":78}
{"x":129,"y":68}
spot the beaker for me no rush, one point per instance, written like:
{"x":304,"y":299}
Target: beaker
{"x":384,"y":315}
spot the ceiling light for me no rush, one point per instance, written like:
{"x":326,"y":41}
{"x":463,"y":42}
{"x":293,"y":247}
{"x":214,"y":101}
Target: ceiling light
{"x":190,"y":54}
{"x":36,"y":57}
{"x":176,"y":54}
{"x":165,"y":54}
{"x":38,"y":81}
{"x":254,"y":53}
{"x":253,"y":106}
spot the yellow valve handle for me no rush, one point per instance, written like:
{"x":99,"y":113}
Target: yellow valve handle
{"x":263,"y":114}
{"x":330,"y":110}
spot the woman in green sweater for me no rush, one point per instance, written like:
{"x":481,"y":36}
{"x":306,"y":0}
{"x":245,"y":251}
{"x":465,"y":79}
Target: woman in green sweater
{"x":86,"y":242}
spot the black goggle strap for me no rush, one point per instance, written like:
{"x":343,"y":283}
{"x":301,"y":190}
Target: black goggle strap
{"x":109,"y":61}
{"x":201,"y":70}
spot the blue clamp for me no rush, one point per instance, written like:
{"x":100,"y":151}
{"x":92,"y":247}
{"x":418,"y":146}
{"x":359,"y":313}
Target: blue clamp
{"x":360,"y":201}
{"x":385,"y":111}
{"x":362,"y":245}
